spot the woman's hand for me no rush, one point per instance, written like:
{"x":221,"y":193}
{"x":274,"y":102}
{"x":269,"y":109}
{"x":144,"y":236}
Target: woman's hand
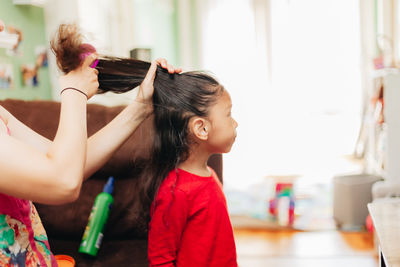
{"x":164,"y":64}
{"x":146,"y":88}
{"x":84,"y":78}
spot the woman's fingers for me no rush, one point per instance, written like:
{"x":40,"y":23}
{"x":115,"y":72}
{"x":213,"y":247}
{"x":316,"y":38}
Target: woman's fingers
{"x":146,"y":88}
{"x":89,"y":60}
{"x":171,"y":69}
{"x":164,"y":64}
{"x":151,"y":73}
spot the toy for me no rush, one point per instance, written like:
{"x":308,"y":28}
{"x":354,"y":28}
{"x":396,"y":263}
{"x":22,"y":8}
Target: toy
{"x":275,"y":208}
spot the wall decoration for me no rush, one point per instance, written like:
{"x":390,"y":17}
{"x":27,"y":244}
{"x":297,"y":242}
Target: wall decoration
{"x":15,"y":49}
{"x":6,"y":76}
{"x":29,"y":75}
{"x":7,"y":40}
{"x":41,"y":56}
{"x":28,"y":50}
{"x":30,"y":72}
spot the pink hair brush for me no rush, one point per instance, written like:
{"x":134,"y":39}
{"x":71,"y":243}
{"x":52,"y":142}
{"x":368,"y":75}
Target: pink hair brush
{"x":88,"y":49}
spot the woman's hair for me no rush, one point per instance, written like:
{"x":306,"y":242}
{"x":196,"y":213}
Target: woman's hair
{"x":176,"y":99}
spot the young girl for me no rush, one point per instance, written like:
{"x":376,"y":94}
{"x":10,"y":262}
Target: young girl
{"x":182,"y":196}
{"x":34,"y":168}
{"x":189,"y":223}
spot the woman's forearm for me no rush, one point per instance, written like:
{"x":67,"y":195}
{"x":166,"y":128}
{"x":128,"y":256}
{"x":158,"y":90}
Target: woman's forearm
{"x":68,"y":150}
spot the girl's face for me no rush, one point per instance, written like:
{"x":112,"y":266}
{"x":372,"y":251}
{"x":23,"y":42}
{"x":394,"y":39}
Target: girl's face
{"x":222,"y":132}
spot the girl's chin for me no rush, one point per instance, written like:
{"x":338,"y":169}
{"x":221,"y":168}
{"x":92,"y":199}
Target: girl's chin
{"x":228,"y":149}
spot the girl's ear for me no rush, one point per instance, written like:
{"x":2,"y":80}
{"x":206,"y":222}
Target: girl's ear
{"x":200,"y":128}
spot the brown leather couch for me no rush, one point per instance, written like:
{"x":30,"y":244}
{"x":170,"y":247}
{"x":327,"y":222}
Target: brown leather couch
{"x":125,"y":237}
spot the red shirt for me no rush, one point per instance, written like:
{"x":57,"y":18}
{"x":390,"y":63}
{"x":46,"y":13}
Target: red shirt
{"x":190,"y":224}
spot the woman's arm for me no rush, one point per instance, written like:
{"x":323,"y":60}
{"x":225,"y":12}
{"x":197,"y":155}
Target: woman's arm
{"x":54,"y":176}
{"x":102,"y":145}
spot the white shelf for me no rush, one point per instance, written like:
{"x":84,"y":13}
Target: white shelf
{"x":39,"y":3}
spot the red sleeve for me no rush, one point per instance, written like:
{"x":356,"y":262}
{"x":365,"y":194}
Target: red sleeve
{"x":166,"y":227}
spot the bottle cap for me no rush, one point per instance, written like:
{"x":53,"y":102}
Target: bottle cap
{"x":65,"y":261}
{"x":109,"y":187}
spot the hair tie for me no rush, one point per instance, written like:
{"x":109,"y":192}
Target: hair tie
{"x":72,"y":88}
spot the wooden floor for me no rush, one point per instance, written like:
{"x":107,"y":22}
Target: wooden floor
{"x":259,"y":248}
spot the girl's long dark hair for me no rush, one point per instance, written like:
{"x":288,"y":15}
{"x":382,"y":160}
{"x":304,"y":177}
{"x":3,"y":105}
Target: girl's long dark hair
{"x":176,"y":99}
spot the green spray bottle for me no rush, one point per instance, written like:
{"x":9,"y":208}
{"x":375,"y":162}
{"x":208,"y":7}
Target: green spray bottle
{"x":93,"y":234}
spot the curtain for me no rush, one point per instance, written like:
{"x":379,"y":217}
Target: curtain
{"x":293,"y":71}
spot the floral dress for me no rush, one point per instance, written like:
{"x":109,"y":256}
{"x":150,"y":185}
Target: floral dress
{"x":23,"y":240}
